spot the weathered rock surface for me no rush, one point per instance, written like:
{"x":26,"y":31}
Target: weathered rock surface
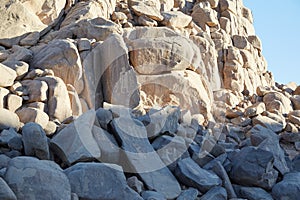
{"x":288,"y":188}
{"x":99,"y":181}
{"x":32,"y":178}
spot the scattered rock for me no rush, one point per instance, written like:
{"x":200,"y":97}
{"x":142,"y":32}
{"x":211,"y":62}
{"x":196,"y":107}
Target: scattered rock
{"x":104,"y":181}
{"x":288,"y":188}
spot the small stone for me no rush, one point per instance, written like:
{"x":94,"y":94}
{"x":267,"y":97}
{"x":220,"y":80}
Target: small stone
{"x":135,"y":184}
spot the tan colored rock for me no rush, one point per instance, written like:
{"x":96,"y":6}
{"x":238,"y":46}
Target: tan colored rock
{"x":37,"y":90}
{"x":75,"y":101}
{"x":7,"y":76}
{"x":31,"y":39}
{"x":296,"y":102}
{"x":277,"y":101}
{"x":8,"y":119}
{"x":227,"y":97}
{"x":143,"y":20}
{"x":240,"y":42}
{"x":176,"y":19}
{"x":17,"y":20}
{"x":255,"y":41}
{"x":62,"y":57}
{"x":3,"y":97}
{"x":20,"y":67}
{"x":268,"y":123}
{"x":58,"y":99}
{"x":84,"y":105}
{"x":203,"y":15}
{"x":98,"y":28}
{"x":14,"y":102}
{"x":150,"y":8}
{"x":150,"y":52}
{"x":180,"y":88}
{"x":294,"y":117}
{"x":255,"y":109}
{"x":228,"y":5}
{"x":33,"y":115}
{"x":50,"y":129}
{"x":88,"y":10}
{"x":108,"y":76}
{"x":297,"y":91}
{"x":38,"y":105}
{"x":47,"y":10}
{"x":290,"y":127}
{"x":166,"y":5}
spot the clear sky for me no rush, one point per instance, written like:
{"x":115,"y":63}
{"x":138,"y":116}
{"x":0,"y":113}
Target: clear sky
{"x":277,"y":23}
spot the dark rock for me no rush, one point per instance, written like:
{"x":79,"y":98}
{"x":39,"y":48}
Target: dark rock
{"x":110,"y":150}
{"x":104,"y":117}
{"x":161,"y":121}
{"x":253,"y":167}
{"x":31,"y":178}
{"x":267,"y":140}
{"x":152,"y":195}
{"x":189,"y":194}
{"x":35,"y":141}
{"x":99,"y":181}
{"x":135,"y":184}
{"x":5,"y":192}
{"x":288,"y":188}
{"x":4,"y":161}
{"x":143,"y":160}
{"x":290,"y":137}
{"x":252,"y":193}
{"x":216,"y":193}
{"x":170,"y":150}
{"x":221,"y":172}
{"x":76,"y":142}
{"x":192,"y":175}
{"x":296,"y":163}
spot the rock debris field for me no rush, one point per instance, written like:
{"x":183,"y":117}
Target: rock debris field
{"x":142,"y":100}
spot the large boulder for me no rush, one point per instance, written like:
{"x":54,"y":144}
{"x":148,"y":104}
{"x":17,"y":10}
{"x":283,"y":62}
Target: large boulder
{"x":30,"y":178}
{"x":76,"y":142}
{"x":253,"y":167}
{"x":5,"y":192}
{"x":192,"y":175}
{"x":62,"y":57}
{"x":108,"y":76}
{"x":8,"y":119}
{"x":142,"y":159}
{"x":8,"y":76}
{"x":150,"y":8}
{"x":99,"y":181}
{"x":288,"y":188}
{"x":35,"y":141}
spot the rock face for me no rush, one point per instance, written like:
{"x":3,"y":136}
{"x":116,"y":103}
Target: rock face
{"x":185,"y":106}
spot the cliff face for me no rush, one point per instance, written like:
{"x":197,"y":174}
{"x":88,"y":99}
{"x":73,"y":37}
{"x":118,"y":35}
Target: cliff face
{"x":182,"y":94}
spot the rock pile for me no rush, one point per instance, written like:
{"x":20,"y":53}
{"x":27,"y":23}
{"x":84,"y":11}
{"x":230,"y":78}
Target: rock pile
{"x":142,"y":99}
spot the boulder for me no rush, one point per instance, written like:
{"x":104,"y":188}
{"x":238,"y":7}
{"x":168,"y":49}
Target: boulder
{"x":255,"y":109}
{"x":30,"y":178}
{"x":188,"y":194}
{"x":5,"y":192}
{"x":59,"y":106}
{"x":252,"y":193}
{"x":150,"y":195}
{"x":191,"y":174}
{"x":267,"y":140}
{"x":268,"y":123}
{"x":283,"y":104}
{"x":253,"y":167}
{"x":75,"y":142}
{"x":153,"y":51}
{"x":108,"y":76}
{"x":3,"y":97}
{"x":204,"y":15}
{"x":140,"y":155}
{"x":35,"y":141}
{"x":150,"y":8}
{"x":20,"y":67}
{"x":216,"y":193}
{"x":37,"y":90}
{"x":99,"y":181}
{"x":179,"y":88}
{"x":288,"y":188}
{"x":176,"y":19}
{"x":294,"y":117}
{"x":296,"y":102}
{"x":33,"y":115}
{"x":62,"y":57}
{"x":14,"y":102}
{"x":8,"y":76}
{"x":8,"y":119}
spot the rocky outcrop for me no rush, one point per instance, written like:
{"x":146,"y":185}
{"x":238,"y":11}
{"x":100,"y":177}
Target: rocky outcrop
{"x":142,"y":99}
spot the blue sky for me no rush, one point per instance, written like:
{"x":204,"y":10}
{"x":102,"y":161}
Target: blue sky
{"x":277,"y":23}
